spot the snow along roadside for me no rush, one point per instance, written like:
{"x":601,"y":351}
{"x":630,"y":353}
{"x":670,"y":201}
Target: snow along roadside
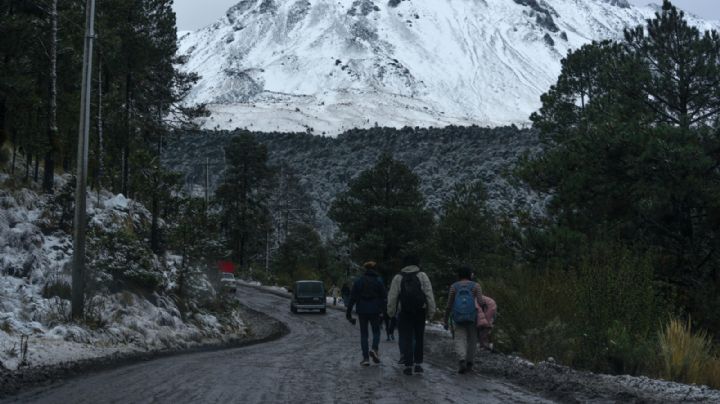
{"x":263,"y":328}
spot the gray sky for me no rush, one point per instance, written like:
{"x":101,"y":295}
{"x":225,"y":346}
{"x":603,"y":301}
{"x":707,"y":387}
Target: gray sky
{"x":708,"y":9}
{"x":195,"y":14}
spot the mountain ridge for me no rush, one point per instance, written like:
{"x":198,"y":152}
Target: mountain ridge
{"x":326,"y":66}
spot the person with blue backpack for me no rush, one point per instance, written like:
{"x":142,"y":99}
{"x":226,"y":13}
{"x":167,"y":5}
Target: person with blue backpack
{"x":368,"y":293}
{"x":464,"y":298}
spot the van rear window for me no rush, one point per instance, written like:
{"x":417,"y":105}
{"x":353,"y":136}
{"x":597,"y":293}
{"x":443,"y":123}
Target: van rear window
{"x":310,"y":289}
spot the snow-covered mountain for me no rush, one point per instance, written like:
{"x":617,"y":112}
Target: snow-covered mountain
{"x":330,"y":65}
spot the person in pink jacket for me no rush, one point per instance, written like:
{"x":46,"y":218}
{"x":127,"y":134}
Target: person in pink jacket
{"x":485,"y":318}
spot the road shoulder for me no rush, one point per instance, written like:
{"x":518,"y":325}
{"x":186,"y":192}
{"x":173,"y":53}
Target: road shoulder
{"x":263,"y":328}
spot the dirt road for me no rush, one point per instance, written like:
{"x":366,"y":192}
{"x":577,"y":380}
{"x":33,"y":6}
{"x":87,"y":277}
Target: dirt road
{"x":318,"y":362}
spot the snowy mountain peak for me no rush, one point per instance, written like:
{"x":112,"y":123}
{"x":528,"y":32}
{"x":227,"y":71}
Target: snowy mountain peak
{"x":330,"y":65}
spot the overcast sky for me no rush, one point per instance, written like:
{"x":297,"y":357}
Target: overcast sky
{"x":195,"y":14}
{"x":709,"y":9}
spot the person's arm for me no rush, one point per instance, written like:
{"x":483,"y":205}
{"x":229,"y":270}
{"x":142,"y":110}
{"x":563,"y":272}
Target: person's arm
{"x":427,"y":288}
{"x":477,"y":292}
{"x":450,"y":303}
{"x":353,"y":298}
{"x":393,"y":296}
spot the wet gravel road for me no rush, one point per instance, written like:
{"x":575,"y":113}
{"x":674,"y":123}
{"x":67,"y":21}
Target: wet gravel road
{"x":318,"y":362}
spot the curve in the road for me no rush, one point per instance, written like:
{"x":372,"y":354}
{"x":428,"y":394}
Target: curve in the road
{"x":318,"y":362}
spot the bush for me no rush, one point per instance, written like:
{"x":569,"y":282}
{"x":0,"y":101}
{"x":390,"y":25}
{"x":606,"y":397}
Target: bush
{"x":713,"y":373}
{"x":57,"y":288}
{"x":686,"y":355}
{"x":599,"y":314}
{"x":616,"y":309}
{"x":534,"y":311}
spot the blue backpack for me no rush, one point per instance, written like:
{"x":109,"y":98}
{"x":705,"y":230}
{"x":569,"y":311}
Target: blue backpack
{"x":464,"y":310}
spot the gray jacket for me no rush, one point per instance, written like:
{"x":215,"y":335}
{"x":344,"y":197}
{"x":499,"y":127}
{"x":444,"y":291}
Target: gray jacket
{"x":393,"y":306}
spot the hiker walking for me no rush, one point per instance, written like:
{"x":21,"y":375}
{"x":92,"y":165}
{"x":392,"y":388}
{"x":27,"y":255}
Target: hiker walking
{"x":334,"y":293}
{"x":390,"y":323}
{"x":368,"y":293}
{"x":411,"y":299}
{"x":487,"y":312}
{"x":464,"y":300}
{"x":345,"y":293}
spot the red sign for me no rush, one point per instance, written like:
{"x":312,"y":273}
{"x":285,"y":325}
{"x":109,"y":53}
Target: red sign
{"x":226,"y":266}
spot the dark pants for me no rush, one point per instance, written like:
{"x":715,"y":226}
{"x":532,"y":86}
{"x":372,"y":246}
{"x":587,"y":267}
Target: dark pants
{"x":390,"y":324}
{"x":374,"y":320}
{"x":411,"y":327}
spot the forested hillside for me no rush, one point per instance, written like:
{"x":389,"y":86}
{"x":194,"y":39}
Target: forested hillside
{"x":441,"y":158}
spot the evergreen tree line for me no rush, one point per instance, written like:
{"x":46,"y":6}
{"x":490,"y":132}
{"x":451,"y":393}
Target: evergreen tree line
{"x":135,"y":95}
{"x":629,"y":242}
{"x":135,"y":100}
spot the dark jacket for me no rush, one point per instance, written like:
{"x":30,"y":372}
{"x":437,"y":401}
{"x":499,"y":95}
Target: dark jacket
{"x":375,"y":305}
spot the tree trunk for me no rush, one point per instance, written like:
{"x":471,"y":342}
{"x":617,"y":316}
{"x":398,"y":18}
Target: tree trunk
{"x":155,"y":229}
{"x":28,"y":161}
{"x":3,"y":131}
{"x":48,"y":176}
{"x":15,"y":150}
{"x":128,"y":133}
{"x":101,"y":151}
{"x":37,"y":168}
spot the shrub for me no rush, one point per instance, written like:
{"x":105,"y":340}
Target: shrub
{"x":713,"y":373}
{"x":686,"y":355}
{"x":534,"y":311}
{"x":616,"y":308}
{"x":57,"y":288}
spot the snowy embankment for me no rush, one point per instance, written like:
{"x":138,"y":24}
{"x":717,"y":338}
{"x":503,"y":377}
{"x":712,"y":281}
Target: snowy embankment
{"x":35,"y":255}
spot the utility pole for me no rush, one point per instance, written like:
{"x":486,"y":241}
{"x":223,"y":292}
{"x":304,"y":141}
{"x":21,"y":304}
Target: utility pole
{"x":78,"y":271}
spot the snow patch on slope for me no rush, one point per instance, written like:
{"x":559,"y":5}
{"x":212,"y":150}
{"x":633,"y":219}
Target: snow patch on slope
{"x":31,"y":260}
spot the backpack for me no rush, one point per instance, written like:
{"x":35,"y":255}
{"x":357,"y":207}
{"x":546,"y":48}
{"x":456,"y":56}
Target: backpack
{"x":371,"y":288}
{"x":464,"y":310}
{"x":412,"y":297}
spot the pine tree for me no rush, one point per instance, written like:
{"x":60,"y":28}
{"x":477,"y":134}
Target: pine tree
{"x":383,"y":213}
{"x":467,"y":233}
{"x":243,"y":198}
{"x":683,"y":87}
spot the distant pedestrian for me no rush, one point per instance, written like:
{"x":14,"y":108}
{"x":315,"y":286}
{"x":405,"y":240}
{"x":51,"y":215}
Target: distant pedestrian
{"x":487,"y":312}
{"x":368,"y":293}
{"x":345,"y":293}
{"x":411,"y":298}
{"x":464,"y":299}
{"x":390,"y":325}
{"x":334,"y":293}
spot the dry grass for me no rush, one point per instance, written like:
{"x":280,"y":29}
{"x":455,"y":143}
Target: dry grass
{"x":686,"y":355}
{"x":713,"y":373}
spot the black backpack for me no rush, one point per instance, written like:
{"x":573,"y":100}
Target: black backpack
{"x":371,"y":288}
{"x":412,"y":297}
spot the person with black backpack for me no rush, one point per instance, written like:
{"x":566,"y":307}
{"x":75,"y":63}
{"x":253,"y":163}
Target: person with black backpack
{"x":411,"y":299}
{"x":462,"y":309}
{"x":368,"y":293}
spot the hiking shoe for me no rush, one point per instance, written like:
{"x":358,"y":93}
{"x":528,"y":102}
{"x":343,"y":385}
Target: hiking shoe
{"x":375,"y":357}
{"x":408,"y":370}
{"x":463,"y":367}
{"x":365,"y":363}
{"x":419,"y":369}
